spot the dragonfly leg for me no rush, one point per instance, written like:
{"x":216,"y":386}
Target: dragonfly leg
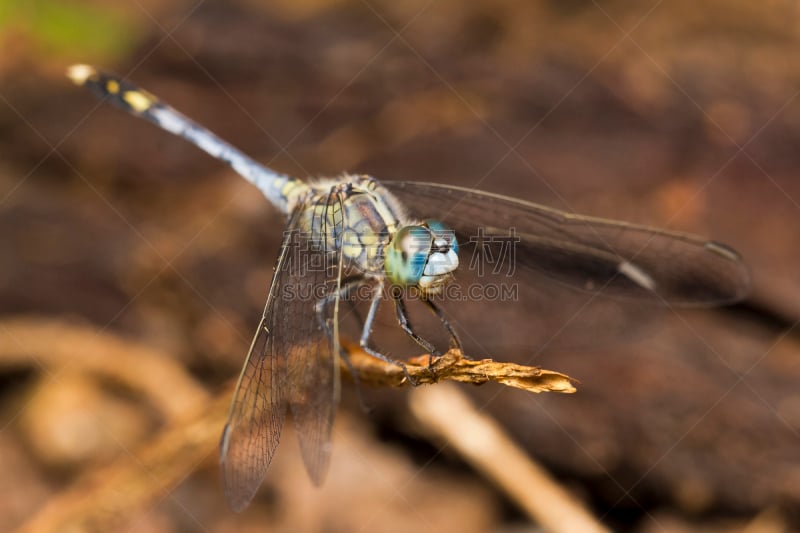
{"x":455,"y":342}
{"x":402,"y":318}
{"x":367,"y":331}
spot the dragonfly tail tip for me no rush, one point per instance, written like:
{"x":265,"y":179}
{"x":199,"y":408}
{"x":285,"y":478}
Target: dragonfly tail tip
{"x":79,"y":73}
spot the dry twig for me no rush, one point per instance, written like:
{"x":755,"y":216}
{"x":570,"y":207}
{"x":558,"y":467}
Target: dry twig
{"x":447,"y":413}
{"x":57,"y":344}
{"x":453,"y":366}
{"x":107,"y":498}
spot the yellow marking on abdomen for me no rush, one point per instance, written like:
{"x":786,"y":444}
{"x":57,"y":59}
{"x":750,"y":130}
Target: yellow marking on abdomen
{"x":287,"y":188}
{"x":138,"y":100}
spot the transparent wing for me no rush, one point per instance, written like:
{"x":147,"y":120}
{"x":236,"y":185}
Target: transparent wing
{"x":292,"y":361}
{"x":311,"y":314}
{"x":258,"y":408}
{"x":587,"y":253}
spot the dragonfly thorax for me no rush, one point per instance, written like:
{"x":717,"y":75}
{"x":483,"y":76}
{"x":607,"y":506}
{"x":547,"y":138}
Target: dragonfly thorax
{"x":423,"y":256}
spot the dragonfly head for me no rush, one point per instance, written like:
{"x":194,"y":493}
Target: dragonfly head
{"x":422,"y":255}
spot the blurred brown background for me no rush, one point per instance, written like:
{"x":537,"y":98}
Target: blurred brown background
{"x":672,"y":114}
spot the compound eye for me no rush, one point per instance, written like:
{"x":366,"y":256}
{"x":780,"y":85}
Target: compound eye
{"x":407,"y":254}
{"x":444,"y":238}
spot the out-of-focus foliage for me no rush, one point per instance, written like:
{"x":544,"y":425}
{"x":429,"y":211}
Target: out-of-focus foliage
{"x":98,"y":31}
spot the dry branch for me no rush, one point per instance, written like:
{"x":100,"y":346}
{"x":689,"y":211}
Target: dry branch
{"x":453,"y":366}
{"x":108,"y":498}
{"x":54,"y":345}
{"x":447,"y":414}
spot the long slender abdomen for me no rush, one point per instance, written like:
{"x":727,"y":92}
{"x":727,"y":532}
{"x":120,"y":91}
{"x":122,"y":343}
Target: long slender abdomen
{"x":279,"y":189}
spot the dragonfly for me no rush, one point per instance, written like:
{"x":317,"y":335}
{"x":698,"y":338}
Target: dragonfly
{"x":354,"y":232}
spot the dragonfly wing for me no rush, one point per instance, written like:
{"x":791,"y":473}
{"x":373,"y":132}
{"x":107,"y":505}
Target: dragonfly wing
{"x":258,"y":408}
{"x":290,"y":361}
{"x":588,"y":253}
{"x":311,"y":314}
